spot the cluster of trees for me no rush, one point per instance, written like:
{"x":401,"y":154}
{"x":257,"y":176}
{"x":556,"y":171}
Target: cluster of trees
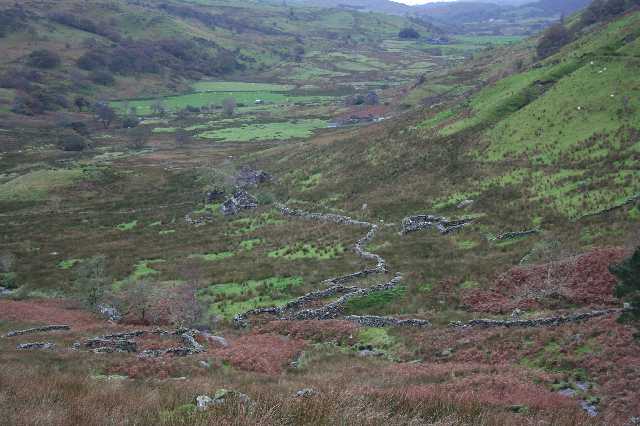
{"x":409,"y":34}
{"x":552,"y":40}
{"x":371,"y":98}
{"x":559,"y":35}
{"x":11,"y":19}
{"x":190,"y":58}
{"x":85,"y":24}
{"x":601,"y":10}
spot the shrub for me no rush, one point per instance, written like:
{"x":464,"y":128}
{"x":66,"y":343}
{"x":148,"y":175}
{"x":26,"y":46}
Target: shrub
{"x":72,"y":142}
{"x":138,"y":137}
{"x":229,"y":106}
{"x":628,"y":288}
{"x":552,"y":40}
{"x":91,"y":61}
{"x":408,"y":33}
{"x":102,"y":77}
{"x":43,"y":58}
{"x":91,"y":280}
{"x":104,"y":113}
{"x":130,"y":121}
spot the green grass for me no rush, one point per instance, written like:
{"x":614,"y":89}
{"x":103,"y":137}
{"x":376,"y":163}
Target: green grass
{"x":374,"y":302}
{"x":308,"y":251}
{"x":377,"y":337}
{"x":266,"y":131}
{"x":229,"y":299}
{"x":36,"y":185}
{"x":212,"y":257}
{"x":239,"y":86}
{"x":128,"y":226}
{"x":69,"y":263}
{"x":249,"y":245}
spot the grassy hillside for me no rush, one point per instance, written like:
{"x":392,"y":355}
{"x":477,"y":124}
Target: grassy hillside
{"x":151,"y":48}
{"x":533,"y":162}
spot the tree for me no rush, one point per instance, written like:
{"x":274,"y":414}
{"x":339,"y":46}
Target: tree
{"x":130,"y":121}
{"x":229,"y":106}
{"x":182,"y":137}
{"x":408,"y":33}
{"x":104,"y":113}
{"x":138,"y":137}
{"x":628,"y":288}
{"x":158,"y":107}
{"x":103,"y":78}
{"x":71,"y":141}
{"x":81,"y":103}
{"x":552,"y":40}
{"x":91,"y":281}
{"x":43,"y":58}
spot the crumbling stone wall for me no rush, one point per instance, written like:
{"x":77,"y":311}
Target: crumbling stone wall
{"x":536,"y":322}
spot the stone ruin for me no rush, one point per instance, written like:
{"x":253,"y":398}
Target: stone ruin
{"x":442,"y":224}
{"x":248,"y":177}
{"x":214,"y":195}
{"x":241,"y":200}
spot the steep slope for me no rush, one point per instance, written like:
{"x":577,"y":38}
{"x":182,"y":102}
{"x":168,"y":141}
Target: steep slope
{"x":560,"y":135}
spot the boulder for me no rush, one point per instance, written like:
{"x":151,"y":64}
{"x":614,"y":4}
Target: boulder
{"x":306,"y":393}
{"x":221,"y":396}
{"x":466,"y":203}
{"x":109,"y":312}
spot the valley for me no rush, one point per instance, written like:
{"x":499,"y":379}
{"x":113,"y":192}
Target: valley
{"x":260,"y":213}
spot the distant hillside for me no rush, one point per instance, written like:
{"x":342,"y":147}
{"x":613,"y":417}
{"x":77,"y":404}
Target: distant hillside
{"x":381,"y":6}
{"x":56,"y":50}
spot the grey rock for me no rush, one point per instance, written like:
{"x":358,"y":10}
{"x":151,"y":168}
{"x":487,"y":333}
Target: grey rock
{"x":218,"y":340}
{"x":4,"y":292}
{"x":464,"y":204}
{"x":567,"y":392}
{"x":366,"y":353}
{"x":109,"y":312}
{"x":203,"y":402}
{"x":35,"y":345}
{"x":306,"y":393}
{"x":583,"y":386}
{"x":591,"y":409}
